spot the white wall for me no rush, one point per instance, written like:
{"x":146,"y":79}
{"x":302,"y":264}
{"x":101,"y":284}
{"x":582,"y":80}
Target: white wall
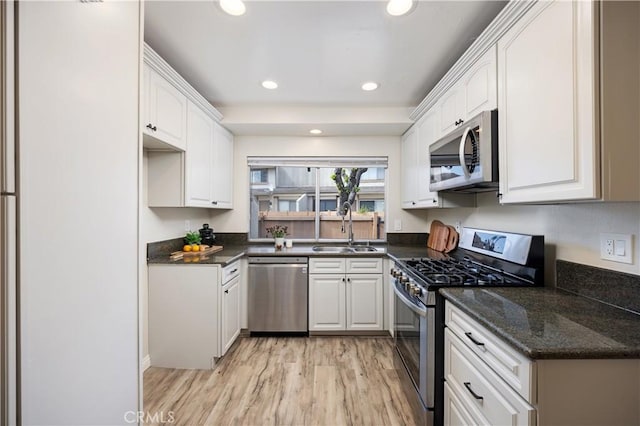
{"x":572,"y":231}
{"x":78,"y":204}
{"x":237,"y":220}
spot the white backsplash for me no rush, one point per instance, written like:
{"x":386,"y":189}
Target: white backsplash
{"x":571,"y":231}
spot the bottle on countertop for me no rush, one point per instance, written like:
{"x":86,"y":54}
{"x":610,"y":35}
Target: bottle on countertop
{"x":207,"y":235}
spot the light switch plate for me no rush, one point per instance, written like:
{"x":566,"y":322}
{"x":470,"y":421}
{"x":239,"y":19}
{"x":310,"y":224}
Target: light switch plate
{"x":616,"y":247}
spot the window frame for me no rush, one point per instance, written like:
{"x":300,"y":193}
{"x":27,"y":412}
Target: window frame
{"x":319,"y":163}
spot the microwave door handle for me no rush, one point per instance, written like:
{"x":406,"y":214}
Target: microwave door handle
{"x":463,"y":162}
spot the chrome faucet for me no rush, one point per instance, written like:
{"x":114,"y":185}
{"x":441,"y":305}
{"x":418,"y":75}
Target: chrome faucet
{"x":347,"y":205}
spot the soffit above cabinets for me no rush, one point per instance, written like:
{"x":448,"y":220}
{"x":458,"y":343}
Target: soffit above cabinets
{"x":319,"y":52}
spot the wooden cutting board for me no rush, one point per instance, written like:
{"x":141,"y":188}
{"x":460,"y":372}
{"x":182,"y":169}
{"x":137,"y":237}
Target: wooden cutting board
{"x":208,"y":250}
{"x":438,"y":236}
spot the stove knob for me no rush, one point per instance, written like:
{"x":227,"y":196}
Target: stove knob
{"x":392,"y":272}
{"x":404,"y":279}
{"x":416,"y":291}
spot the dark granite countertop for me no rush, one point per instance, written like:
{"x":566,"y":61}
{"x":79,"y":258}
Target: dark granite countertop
{"x":234,"y":252}
{"x":224,"y":257}
{"x":544,"y":323}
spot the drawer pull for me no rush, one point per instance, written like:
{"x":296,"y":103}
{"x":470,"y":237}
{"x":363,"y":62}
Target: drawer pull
{"x":234,"y":271}
{"x":475,"y":395}
{"x":468,"y":334}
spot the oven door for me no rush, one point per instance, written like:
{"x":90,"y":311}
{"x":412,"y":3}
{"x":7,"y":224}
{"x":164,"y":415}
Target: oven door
{"x":414,"y":328}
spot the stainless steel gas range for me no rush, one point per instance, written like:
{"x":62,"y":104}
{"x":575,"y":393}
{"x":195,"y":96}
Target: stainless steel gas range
{"x":484,"y":258}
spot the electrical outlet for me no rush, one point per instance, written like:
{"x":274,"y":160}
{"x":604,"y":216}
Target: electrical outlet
{"x":458,"y":226}
{"x":616,"y":247}
{"x":187,"y":225}
{"x":397,"y":225}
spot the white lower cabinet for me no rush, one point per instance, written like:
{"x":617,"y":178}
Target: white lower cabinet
{"x":193,"y":317}
{"x":345,"y":294}
{"x":229,"y":314}
{"x":486,"y":397}
{"x":487,"y":382}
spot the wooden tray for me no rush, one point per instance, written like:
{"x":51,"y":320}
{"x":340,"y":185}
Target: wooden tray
{"x":208,"y":250}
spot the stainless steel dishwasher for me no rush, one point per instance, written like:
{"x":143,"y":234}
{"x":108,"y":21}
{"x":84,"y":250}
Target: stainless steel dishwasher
{"x":278,"y":289}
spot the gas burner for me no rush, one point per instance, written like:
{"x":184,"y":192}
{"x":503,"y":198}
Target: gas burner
{"x":459,"y":272}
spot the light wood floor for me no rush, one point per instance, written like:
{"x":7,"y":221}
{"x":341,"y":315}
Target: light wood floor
{"x":286,"y":381}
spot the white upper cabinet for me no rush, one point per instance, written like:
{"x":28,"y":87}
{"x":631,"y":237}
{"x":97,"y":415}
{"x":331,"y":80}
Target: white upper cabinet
{"x":480,"y":85}
{"x":568,"y":83}
{"x":416,"y":167}
{"x":474,"y":92}
{"x":415,"y":163}
{"x":222,"y":172}
{"x":547,"y":139}
{"x":198,"y":183}
{"x":164,"y":124}
{"x":451,"y":108}
{"x":409,"y":168}
{"x":202,"y":175}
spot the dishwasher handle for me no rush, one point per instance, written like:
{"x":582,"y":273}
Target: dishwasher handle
{"x":278,"y":260}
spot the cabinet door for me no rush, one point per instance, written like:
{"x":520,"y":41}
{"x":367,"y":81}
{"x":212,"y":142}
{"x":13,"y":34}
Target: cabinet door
{"x":198,"y":158}
{"x":167,"y":112}
{"x":327,"y":302}
{"x":451,"y":108}
{"x":427,"y":134}
{"x":546,"y":81}
{"x":222,"y":172}
{"x":481,"y":85}
{"x":364,"y":302}
{"x":409,"y":168}
{"x":229,"y":314}
{"x":183,"y":322}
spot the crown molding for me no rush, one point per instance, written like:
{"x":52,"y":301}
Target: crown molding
{"x":511,"y":13}
{"x":159,"y":65}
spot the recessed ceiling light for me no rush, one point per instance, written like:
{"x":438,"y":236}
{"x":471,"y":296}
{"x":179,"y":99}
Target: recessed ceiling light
{"x":369,"y":86}
{"x":315,"y":131}
{"x":233,"y":7}
{"x":269,"y":84}
{"x":399,"y":7}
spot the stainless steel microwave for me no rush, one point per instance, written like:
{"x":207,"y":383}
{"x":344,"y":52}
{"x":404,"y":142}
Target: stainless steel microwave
{"x":466,"y":160}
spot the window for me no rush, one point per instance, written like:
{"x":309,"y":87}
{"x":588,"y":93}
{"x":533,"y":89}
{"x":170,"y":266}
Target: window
{"x":301,"y":194}
{"x":260,"y":176}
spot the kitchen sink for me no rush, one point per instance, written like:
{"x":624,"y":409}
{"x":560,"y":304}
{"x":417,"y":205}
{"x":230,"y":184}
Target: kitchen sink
{"x":344,"y":249}
{"x":364,"y":248}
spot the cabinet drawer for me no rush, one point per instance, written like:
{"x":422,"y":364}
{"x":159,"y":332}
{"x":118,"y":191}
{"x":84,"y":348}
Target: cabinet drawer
{"x":480,"y":390}
{"x":230,"y":271}
{"x":455,"y":411}
{"x":516,"y":369}
{"x":327,"y":265}
{"x":360,"y":265}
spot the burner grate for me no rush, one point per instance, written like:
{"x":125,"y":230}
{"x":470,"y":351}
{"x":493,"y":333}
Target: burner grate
{"x":459,"y":272}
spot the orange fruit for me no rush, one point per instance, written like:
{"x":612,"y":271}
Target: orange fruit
{"x":195,"y":247}
{"x":186,"y":248}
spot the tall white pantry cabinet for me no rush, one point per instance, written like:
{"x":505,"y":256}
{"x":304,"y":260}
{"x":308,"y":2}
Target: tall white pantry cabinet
{"x":78,"y":136}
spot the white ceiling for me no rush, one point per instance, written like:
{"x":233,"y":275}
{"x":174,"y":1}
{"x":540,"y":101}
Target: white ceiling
{"x":320,"y":52}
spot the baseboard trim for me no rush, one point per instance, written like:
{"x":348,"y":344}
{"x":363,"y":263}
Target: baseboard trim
{"x":146,"y":362}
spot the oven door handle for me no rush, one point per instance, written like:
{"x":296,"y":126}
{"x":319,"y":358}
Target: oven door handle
{"x":417,"y":309}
